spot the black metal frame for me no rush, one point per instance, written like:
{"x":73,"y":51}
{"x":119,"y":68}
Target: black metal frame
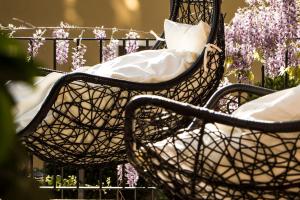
{"x":231,"y":166}
{"x":105,"y":124}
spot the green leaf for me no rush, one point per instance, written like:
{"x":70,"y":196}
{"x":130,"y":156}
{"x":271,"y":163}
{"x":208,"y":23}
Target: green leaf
{"x":257,"y":56}
{"x":250,"y":76}
{"x":293,"y":72}
{"x":13,"y":62}
{"x":7,"y":129}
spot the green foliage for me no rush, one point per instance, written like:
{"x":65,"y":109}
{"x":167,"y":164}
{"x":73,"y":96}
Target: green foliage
{"x":14,"y":63}
{"x":13,"y":183}
{"x":13,"y":66}
{"x":281,"y":82}
{"x":7,"y":129}
{"x":106,"y":184}
{"x":49,"y":181}
{"x":294,"y":72}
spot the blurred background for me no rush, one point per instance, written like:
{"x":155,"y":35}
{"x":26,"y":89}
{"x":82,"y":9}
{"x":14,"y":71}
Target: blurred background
{"x":136,"y":14}
{"x":143,"y":15}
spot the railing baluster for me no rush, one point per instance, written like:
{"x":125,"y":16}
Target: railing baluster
{"x":263,"y":76}
{"x":147,"y":43}
{"x":81,"y":174}
{"x":100,"y":184}
{"x":62,"y":182}
{"x":286,"y":76}
{"x":31,"y":48}
{"x":100,"y":50}
{"x":152,"y":193}
{"x":54,"y":178}
{"x":30,"y":165}
{"x":54,"y":53}
{"x":124,"y":46}
{"x":77,"y":183}
{"x":77,"y":42}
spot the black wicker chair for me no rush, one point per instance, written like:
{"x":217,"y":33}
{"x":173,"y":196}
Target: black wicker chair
{"x":199,"y":162}
{"x":83,"y":129}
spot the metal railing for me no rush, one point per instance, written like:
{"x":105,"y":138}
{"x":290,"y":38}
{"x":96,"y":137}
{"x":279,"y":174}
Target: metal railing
{"x":144,"y":43}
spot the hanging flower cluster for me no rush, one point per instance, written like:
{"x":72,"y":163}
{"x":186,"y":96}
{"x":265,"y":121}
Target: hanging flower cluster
{"x":35,"y":43}
{"x":130,"y":173}
{"x":12,"y":28}
{"x":263,"y":31}
{"x":131,"y":44}
{"x":61,"y":36}
{"x":62,"y":46}
{"x":99,"y":33}
{"x":78,"y":56}
{"x":110,"y":51}
{"x":79,"y":52}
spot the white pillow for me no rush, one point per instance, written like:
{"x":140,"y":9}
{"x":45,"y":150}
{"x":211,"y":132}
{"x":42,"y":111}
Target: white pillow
{"x":148,"y":66}
{"x":279,"y":106}
{"x":185,"y":36}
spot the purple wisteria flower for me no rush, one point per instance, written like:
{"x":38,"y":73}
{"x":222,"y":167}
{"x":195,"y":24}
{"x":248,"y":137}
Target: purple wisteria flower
{"x":130,"y":173}
{"x":99,"y":33}
{"x":131,"y":44}
{"x":262,"y":31}
{"x":12,"y":29}
{"x":78,"y":56}
{"x":35,"y":43}
{"x":110,"y":51}
{"x":62,"y":46}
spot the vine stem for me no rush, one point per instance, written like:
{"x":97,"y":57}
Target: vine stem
{"x":69,"y":28}
{"x":28,"y":26}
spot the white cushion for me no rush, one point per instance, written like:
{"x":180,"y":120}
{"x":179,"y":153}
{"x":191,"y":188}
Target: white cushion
{"x":279,"y":106}
{"x":185,"y":36}
{"x":148,"y":66}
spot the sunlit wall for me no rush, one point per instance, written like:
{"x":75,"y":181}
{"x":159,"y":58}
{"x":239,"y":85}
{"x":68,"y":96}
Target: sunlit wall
{"x":138,"y":14}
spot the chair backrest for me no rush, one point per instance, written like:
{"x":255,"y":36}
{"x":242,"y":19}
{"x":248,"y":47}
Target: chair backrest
{"x":193,"y":11}
{"x":205,"y":82}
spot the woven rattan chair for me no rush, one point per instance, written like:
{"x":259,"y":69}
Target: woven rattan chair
{"x":199,"y":162}
{"x":89,"y":131}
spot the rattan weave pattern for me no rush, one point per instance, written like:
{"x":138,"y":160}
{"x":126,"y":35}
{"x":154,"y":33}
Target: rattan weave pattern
{"x":82,"y":120}
{"x":213,"y":160}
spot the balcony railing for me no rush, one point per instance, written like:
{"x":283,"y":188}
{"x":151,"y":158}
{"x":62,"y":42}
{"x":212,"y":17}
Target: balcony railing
{"x":144,"y":43}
